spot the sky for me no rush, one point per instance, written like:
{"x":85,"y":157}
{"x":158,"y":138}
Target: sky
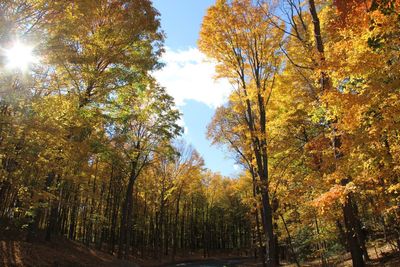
{"x":189,"y":77}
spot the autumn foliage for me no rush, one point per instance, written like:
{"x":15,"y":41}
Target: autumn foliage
{"x":90,"y":146}
{"x":325,"y":113}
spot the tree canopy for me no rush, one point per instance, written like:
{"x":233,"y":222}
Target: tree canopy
{"x":91,"y":147}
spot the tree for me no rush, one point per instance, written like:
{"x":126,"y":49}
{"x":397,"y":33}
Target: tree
{"x":142,"y":126}
{"x":235,"y":35}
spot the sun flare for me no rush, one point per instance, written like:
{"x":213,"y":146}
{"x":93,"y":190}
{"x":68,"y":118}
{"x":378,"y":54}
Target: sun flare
{"x":19,"y":56}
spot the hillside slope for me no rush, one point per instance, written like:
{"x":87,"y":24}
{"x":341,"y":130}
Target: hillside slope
{"x":59,"y":253}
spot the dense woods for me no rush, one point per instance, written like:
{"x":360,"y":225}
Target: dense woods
{"x":313,"y":119}
{"x":90,"y":145}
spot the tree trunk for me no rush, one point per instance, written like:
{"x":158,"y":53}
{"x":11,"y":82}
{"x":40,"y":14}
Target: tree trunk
{"x":268,"y":228}
{"x":351,"y":233}
{"x":175,"y":226}
{"x":52,"y":223}
{"x":126,"y":216}
{"x":255,"y":192}
{"x":290,"y":242}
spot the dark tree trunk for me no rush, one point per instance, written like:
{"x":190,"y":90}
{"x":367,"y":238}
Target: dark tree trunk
{"x":351,"y":233}
{"x":175,"y":226}
{"x":259,"y":236}
{"x":290,"y":242}
{"x":267,"y":210}
{"x":52,"y":221}
{"x":126,"y":216}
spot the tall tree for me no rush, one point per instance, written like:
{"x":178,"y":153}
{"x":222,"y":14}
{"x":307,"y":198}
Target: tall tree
{"x":245,"y":45}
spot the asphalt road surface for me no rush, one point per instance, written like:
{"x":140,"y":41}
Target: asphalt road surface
{"x":210,"y":263}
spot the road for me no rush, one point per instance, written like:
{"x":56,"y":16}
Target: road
{"x":210,"y":263}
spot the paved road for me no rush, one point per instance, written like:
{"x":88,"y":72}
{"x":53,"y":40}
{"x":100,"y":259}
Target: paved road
{"x":210,"y":263}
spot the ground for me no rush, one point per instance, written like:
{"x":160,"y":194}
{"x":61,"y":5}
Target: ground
{"x":60,"y":253}
{"x":65,"y":253}
{"x":379,"y":256}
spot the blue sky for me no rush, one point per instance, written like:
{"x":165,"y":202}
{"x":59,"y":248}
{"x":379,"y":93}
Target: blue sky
{"x":181,"y":20}
{"x":188,"y":77}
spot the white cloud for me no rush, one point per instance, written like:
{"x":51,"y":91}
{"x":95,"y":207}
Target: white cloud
{"x":182,"y":124}
{"x":188,"y":75}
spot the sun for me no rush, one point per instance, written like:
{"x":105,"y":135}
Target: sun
{"x":19,"y":56}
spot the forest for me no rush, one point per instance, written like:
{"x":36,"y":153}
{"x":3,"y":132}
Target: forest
{"x":92,"y":154}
